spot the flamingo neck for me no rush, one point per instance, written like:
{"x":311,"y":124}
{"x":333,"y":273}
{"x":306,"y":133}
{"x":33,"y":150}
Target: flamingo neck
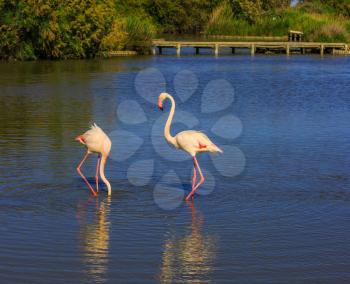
{"x":167,"y":134}
{"x":102,"y":174}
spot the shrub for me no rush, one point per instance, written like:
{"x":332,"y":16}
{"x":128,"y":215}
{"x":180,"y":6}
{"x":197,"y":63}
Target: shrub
{"x":53,"y":28}
{"x":9,"y":42}
{"x":330,"y":32}
{"x":130,"y":33}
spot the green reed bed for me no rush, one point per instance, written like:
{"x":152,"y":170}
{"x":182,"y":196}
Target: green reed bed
{"x":316,"y":27}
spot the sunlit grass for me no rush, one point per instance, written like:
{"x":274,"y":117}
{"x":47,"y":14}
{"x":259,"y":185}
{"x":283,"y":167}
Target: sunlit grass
{"x":316,"y":27}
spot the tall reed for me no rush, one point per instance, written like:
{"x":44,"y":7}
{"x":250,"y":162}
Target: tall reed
{"x":316,"y":26}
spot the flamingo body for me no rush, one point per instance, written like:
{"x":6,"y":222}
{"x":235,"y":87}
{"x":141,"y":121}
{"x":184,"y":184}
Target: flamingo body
{"x":96,"y":141}
{"x":190,"y":141}
{"x":194,"y":142}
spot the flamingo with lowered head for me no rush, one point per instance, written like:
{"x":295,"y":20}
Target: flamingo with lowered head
{"x":190,"y":141}
{"x":96,"y":141}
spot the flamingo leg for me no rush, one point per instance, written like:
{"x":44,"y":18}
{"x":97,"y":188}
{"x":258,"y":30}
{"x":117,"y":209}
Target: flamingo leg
{"x":191,"y":194}
{"x":194,"y":177}
{"x":97,"y":167}
{"x":81,"y":174}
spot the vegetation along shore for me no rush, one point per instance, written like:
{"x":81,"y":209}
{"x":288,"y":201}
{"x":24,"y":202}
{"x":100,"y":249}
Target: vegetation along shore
{"x":61,"y":29}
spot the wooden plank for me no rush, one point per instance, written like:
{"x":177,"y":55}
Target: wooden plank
{"x":216,"y":45}
{"x":249,"y":38}
{"x":252,"y":49}
{"x":216,"y":50}
{"x":226,"y":43}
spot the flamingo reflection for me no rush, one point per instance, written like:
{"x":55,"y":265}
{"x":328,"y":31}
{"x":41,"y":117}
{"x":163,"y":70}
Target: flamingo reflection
{"x":94,"y":238}
{"x":189,"y":259}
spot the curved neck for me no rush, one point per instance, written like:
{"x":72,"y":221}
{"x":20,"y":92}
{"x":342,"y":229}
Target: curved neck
{"x":102,"y":174}
{"x":167,"y":134}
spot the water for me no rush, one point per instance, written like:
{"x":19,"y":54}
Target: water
{"x":283,"y":219}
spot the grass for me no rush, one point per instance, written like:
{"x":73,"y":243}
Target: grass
{"x":316,"y":26}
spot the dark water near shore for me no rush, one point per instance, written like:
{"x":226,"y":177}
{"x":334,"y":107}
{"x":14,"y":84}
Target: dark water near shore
{"x":284,"y":217}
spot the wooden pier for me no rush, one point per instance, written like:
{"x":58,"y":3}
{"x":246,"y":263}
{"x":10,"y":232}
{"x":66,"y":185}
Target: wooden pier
{"x":286,"y":47}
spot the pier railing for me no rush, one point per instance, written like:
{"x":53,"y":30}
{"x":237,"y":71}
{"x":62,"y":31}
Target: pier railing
{"x":287,"y":47}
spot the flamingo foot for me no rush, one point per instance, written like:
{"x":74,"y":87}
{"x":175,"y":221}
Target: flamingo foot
{"x":190,"y":202}
{"x":194,"y":188}
{"x":194,"y":179}
{"x":82,"y":175}
{"x":190,"y":196}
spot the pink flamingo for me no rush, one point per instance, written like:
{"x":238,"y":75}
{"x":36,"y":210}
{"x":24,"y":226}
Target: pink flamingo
{"x":96,"y":141}
{"x":190,"y":141}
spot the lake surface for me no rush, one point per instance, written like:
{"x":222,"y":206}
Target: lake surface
{"x":275,"y":207}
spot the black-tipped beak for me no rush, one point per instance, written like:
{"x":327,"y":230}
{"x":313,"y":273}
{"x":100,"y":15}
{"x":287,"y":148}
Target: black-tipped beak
{"x":161,"y":108}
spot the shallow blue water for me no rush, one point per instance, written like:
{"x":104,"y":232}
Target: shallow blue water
{"x":277,"y":214}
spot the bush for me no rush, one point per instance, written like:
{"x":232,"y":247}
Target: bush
{"x":116,"y":39}
{"x":330,"y":32}
{"x":130,"y":33}
{"x":181,"y":16}
{"x":53,"y":28}
{"x":9,"y":42}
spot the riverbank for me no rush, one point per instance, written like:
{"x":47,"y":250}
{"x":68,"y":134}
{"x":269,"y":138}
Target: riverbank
{"x":118,"y":53}
{"x":68,"y":29}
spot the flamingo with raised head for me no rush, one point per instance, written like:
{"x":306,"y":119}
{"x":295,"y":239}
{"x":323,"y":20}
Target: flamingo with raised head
{"x":96,"y":141}
{"x":190,"y":141}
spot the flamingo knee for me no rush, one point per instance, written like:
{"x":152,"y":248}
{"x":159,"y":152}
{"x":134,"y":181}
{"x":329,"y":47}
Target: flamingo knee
{"x":96,"y":178}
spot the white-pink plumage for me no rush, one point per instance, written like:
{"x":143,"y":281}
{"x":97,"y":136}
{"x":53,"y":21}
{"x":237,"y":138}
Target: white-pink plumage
{"x":96,"y":141}
{"x":193,"y":142}
{"x":190,"y":141}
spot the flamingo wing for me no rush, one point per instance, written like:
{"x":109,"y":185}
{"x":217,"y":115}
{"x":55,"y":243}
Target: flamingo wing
{"x":95,"y":139}
{"x":193,"y":142}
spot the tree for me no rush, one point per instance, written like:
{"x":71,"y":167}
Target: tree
{"x":54,"y":28}
{"x":338,"y":7}
{"x":275,"y":4}
{"x":252,"y":10}
{"x":181,"y":16}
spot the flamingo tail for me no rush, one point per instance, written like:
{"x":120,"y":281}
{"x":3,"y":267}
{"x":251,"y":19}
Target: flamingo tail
{"x":214,"y":149}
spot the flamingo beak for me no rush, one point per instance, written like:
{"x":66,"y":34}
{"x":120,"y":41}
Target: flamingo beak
{"x":160,"y":104}
{"x":80,"y":139}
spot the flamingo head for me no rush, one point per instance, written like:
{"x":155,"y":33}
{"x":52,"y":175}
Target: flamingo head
{"x":161,"y":98}
{"x":80,"y":138}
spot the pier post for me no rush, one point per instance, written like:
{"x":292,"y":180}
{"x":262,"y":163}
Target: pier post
{"x":302,"y":50}
{"x":178,"y":49}
{"x":233,"y":50}
{"x":160,"y":50}
{"x":321,"y":49}
{"x":197,"y":50}
{"x":216,"y":50}
{"x":252,"y":49}
{"x":153,"y":50}
{"x":287,"y":49}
